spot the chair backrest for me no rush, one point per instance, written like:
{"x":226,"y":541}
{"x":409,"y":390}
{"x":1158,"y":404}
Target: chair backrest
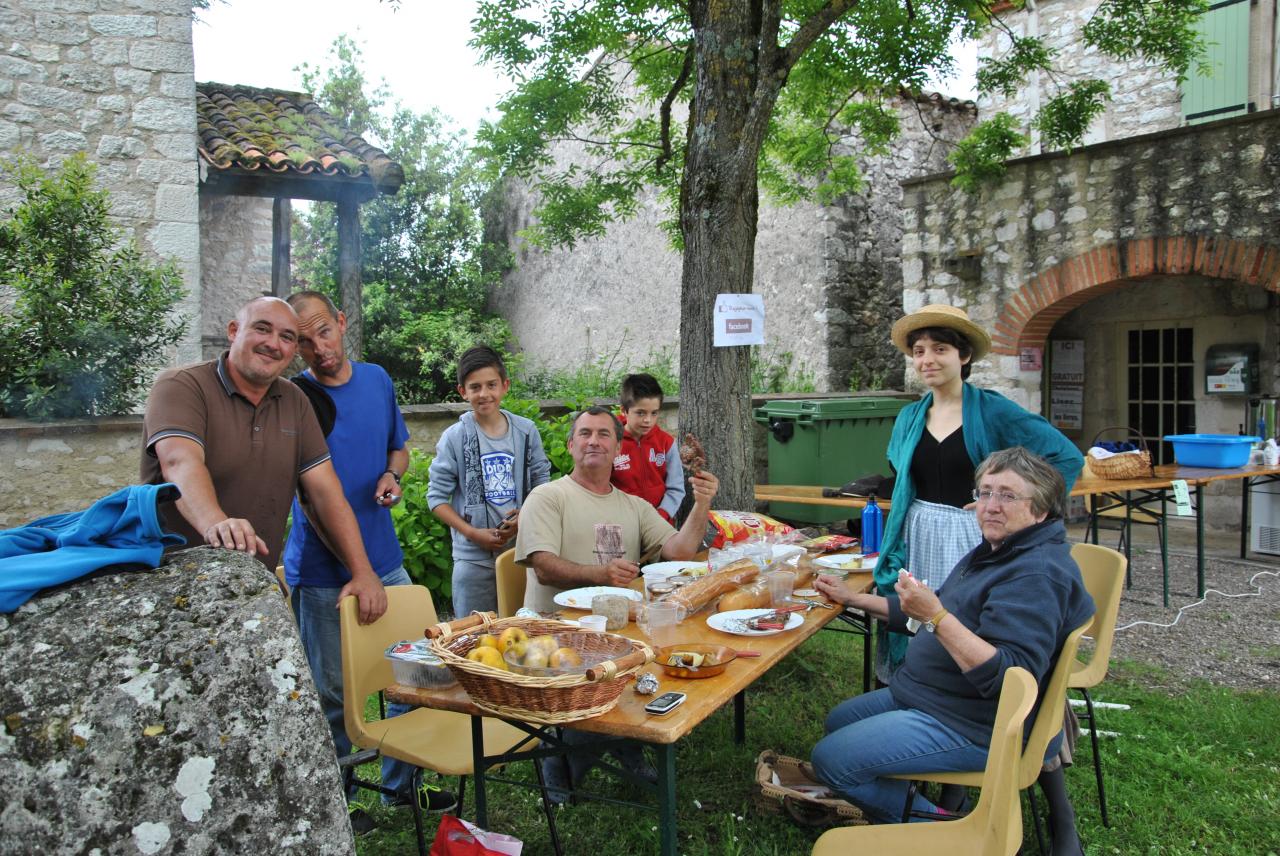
{"x":999,"y":809}
{"x":511,"y":582}
{"x":1103,"y":572}
{"x":284,"y":584}
{"x":1052,"y":707}
{"x":365,"y":669}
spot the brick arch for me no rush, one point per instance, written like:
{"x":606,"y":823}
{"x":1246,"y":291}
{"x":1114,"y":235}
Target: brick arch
{"x":1029,"y":315}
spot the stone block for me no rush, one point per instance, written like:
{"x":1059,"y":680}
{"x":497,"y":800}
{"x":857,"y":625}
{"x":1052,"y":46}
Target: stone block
{"x":114,"y":103}
{"x":50,"y":96}
{"x":15,"y":25}
{"x":127,"y":26}
{"x":134,"y":80}
{"x":168,"y":172}
{"x":131,"y":206}
{"x":6,"y":88}
{"x":165,"y":114}
{"x":63,"y":141}
{"x":179,"y":241}
{"x":178,"y":86}
{"x":162,"y":56}
{"x":175,"y":146}
{"x":61,"y":29}
{"x":91,"y":78}
{"x":46,"y":53}
{"x":111,"y":146}
{"x":20,"y":113}
{"x":178,"y":203}
{"x":167,"y":711}
{"x":80,"y":6}
{"x":20,"y":69}
{"x":109,"y":51}
{"x":10,"y":136}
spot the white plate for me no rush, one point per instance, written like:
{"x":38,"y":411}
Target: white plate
{"x":723,"y":621}
{"x":580,"y":598}
{"x":847,"y":562}
{"x":670,"y":569}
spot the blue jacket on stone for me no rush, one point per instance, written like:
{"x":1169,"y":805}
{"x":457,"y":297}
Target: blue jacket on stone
{"x":1025,"y":599}
{"x":120,"y":529}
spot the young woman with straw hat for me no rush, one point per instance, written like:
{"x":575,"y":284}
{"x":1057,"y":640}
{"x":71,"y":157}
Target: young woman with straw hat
{"x":937,"y":444}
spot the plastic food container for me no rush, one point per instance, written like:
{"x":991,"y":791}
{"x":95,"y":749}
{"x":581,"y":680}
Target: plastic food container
{"x":1222,"y":451}
{"x":414,"y":665}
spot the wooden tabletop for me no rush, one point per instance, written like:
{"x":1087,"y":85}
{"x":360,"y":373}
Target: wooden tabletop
{"x":705,"y":695}
{"x":1167,"y":474}
{"x":802,"y":494}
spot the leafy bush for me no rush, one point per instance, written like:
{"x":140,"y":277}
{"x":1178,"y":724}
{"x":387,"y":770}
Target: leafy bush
{"x":91,"y":318}
{"x":600,"y":379}
{"x":427,"y":545}
{"x":554,"y":430}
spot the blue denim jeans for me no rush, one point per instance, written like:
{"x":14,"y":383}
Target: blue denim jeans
{"x":315,"y":608}
{"x":871,"y":735}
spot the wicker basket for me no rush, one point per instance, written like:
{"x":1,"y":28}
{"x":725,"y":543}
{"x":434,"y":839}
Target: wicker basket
{"x":553,"y":700}
{"x":1124,"y":466}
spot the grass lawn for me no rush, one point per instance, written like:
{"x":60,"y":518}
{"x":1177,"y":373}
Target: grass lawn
{"x":1195,"y":770}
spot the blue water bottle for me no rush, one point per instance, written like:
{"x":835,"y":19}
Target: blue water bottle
{"x":872,"y":526}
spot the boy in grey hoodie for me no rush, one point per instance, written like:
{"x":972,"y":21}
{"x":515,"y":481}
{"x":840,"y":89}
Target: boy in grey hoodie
{"x":485,"y":465}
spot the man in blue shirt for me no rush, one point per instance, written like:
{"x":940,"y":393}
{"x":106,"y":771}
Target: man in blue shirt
{"x":367,"y":443}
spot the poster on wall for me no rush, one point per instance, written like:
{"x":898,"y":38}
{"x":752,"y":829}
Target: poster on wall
{"x":1066,"y":408}
{"x":1067,"y":366}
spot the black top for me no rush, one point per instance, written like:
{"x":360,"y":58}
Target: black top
{"x":942,"y":472}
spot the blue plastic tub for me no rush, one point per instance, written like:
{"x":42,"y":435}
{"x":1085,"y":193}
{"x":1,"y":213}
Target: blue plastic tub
{"x":1211,"y":450}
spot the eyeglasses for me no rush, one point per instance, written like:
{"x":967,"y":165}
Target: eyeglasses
{"x":998,"y":497}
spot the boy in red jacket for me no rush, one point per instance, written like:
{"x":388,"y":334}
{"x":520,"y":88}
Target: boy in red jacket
{"x":648,"y":462}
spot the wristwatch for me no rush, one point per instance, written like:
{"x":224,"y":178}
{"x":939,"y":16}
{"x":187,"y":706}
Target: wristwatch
{"x":395,"y":475}
{"x":932,"y":624}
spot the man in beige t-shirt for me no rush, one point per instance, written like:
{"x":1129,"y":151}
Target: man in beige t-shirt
{"x":582,"y":531}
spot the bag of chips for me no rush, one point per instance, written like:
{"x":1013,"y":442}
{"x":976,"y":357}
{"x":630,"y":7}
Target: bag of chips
{"x":734,"y":526}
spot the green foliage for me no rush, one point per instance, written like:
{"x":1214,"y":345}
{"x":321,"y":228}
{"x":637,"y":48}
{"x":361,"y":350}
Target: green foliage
{"x":1065,"y":118}
{"x":599,"y":379}
{"x":426,"y":542}
{"x":554,"y":431}
{"x":426,"y":266}
{"x":91,"y":318}
{"x":775,"y":371}
{"x":980,"y":156}
{"x":1006,"y":74}
{"x":1160,"y":30}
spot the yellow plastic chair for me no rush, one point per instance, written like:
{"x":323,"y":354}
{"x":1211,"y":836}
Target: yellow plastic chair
{"x":511,"y":582}
{"x":993,"y":828}
{"x":432,"y":739}
{"x":284,"y":585}
{"x":1103,"y":570}
{"x":1047,"y":725}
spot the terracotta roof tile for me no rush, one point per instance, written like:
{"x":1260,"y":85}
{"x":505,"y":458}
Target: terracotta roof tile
{"x":242,"y":127}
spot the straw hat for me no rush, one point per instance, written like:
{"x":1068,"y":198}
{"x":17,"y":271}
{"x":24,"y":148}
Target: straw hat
{"x":941,"y":315}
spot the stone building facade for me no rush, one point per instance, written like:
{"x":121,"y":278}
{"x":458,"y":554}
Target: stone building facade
{"x":113,"y":79}
{"x":235,"y":253}
{"x":830,"y":275}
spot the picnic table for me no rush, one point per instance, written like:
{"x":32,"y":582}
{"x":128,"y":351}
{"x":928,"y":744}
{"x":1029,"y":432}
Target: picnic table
{"x":1147,"y":495}
{"x":629,"y":719}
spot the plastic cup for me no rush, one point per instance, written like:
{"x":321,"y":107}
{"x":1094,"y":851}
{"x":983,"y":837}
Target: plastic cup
{"x":781,"y":584}
{"x":651,"y":580}
{"x":598,"y":623}
{"x":659,"y":621}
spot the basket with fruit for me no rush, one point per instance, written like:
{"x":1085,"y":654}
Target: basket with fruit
{"x":510,"y":668}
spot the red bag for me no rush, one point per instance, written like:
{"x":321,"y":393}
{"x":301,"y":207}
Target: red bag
{"x":456,"y":837}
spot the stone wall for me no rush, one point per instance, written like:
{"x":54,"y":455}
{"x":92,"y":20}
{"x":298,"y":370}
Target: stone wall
{"x":1144,"y":97}
{"x":829,"y":275}
{"x":113,"y":79}
{"x":235,"y":252}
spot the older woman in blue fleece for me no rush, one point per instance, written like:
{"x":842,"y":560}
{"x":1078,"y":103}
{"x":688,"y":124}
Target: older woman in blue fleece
{"x":1011,"y":602}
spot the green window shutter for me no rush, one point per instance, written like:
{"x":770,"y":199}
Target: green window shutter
{"x":1225,"y":27}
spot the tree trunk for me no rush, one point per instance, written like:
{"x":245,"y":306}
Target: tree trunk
{"x":719,"y":204}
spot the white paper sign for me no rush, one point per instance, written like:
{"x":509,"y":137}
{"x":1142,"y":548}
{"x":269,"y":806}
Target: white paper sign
{"x":738,"y":320}
{"x":1066,"y":408}
{"x":1067,"y":366}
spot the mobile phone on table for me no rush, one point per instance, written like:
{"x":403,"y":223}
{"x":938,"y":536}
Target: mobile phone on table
{"x":665,"y":703}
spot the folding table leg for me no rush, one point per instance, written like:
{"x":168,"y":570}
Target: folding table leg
{"x":666,"y":753}
{"x":477,"y":761}
{"x":1244,"y":515}
{"x":1199,"y":542}
{"x":1164,"y":545}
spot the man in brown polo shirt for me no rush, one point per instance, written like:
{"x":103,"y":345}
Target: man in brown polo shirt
{"x":237,"y":441}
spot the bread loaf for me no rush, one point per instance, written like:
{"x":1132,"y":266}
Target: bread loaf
{"x":753,"y":596}
{"x":701,"y":592}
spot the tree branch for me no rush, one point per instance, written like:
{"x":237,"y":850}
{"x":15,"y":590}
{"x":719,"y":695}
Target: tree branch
{"x":664,"y":112}
{"x":812,"y":28}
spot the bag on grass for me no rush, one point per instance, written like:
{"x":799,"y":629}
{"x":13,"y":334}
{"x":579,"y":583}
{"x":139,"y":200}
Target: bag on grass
{"x":456,"y":837}
{"x":786,"y":785}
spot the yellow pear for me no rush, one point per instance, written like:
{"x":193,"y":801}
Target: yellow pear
{"x":487,"y":656}
{"x":546,"y":644}
{"x":487,"y":640}
{"x":535,"y":659}
{"x":564,"y":658}
{"x":512,"y":636}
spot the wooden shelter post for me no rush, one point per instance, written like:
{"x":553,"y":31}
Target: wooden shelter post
{"x":349,"y":286}
{"x":281,"y":227}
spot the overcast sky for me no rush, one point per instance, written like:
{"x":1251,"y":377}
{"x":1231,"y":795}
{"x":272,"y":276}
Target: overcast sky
{"x":420,"y":48}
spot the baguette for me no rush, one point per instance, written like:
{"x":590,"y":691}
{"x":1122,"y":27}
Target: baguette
{"x":701,"y":592}
{"x":753,"y":596}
